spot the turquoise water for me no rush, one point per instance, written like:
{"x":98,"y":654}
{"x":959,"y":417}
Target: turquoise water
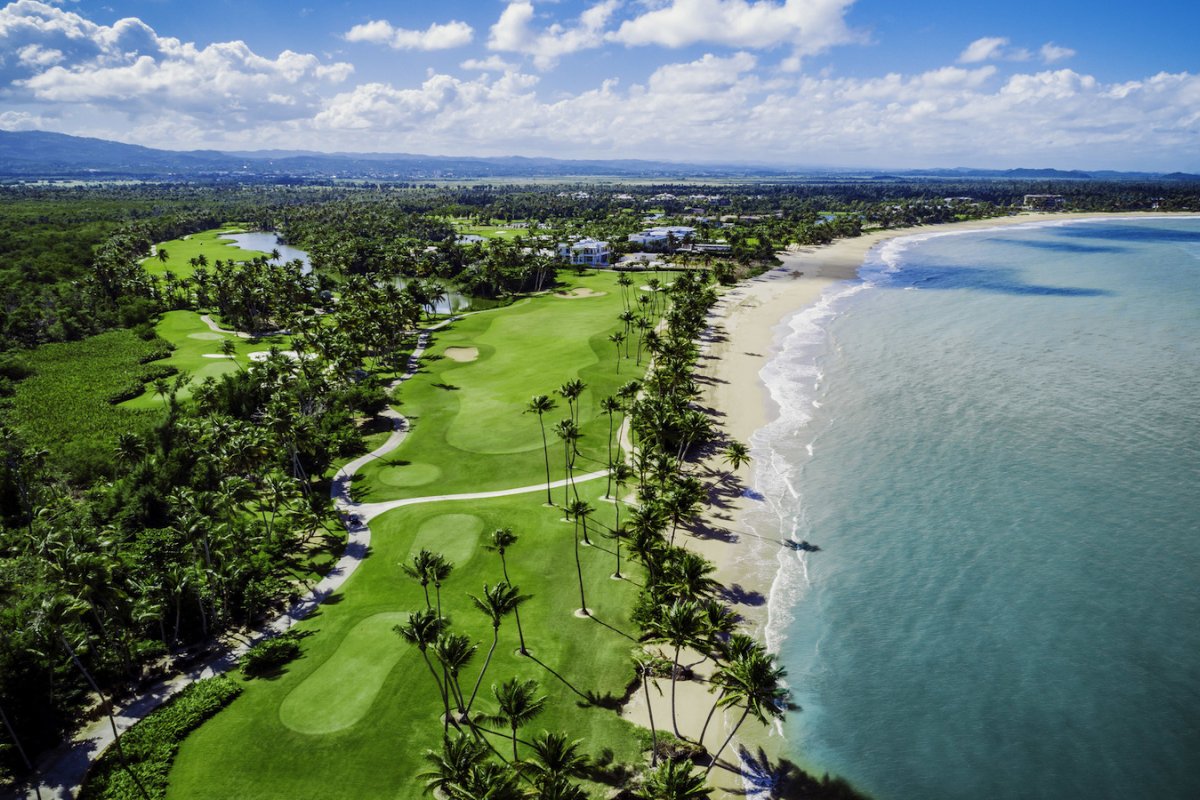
{"x":995,"y":441}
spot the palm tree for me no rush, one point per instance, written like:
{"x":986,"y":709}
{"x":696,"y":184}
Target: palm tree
{"x":581,"y":510}
{"x":680,"y":625}
{"x":500,"y":540}
{"x":738,"y":646}
{"x":570,"y":391}
{"x":610,"y":405}
{"x":617,"y":338}
{"x":674,"y":780}
{"x":453,"y":764}
{"x":421,"y":570}
{"x":643,"y":664}
{"x":496,"y":603}
{"x":568,"y":432}
{"x":518,"y":704}
{"x":555,"y":756}
{"x":735,"y":454}
{"x":422,"y":629}
{"x":439,"y":572}
{"x":163,"y":255}
{"x":539,"y":405}
{"x":756,"y":682}
{"x":687,"y":575}
{"x":455,"y":651}
{"x":557,"y":788}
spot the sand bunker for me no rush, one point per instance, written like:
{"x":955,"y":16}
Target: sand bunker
{"x":216,"y":355}
{"x":579,"y":292}
{"x":263,"y":355}
{"x":462,"y":353}
{"x":207,"y":337}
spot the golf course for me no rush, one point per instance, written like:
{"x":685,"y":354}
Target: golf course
{"x":353,"y":715}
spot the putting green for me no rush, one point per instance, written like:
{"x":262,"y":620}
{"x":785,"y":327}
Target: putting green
{"x":406,"y":475}
{"x":453,"y":535}
{"x":341,"y":690}
{"x":211,"y":336}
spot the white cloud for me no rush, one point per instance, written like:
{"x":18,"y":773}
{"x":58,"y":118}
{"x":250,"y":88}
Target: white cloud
{"x":64,"y":58}
{"x":1051,"y":52}
{"x":809,"y":26}
{"x":992,"y":48}
{"x":514,"y":32}
{"x":492,"y":63}
{"x":438,"y":36}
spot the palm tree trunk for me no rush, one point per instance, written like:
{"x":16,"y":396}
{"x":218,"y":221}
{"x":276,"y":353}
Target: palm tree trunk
{"x":441,"y":691}
{"x":546,"y":452}
{"x":514,"y":738}
{"x":674,"y":675}
{"x":486,"y":661}
{"x":708,"y":719}
{"x":566,"y":472}
{"x":608,"y":486}
{"x":728,"y":739}
{"x":650,"y":711}
{"x":516,"y":610}
{"x":579,"y":571}
{"x":111,"y":719}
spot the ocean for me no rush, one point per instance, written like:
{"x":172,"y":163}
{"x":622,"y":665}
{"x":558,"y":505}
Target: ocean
{"x":993,"y":438}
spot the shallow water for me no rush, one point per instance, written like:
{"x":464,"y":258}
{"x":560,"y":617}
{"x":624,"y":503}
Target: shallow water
{"x":265,"y":242}
{"x":995,"y":440}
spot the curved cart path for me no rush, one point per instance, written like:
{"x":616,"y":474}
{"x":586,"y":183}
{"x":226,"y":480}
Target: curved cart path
{"x":61,"y":772}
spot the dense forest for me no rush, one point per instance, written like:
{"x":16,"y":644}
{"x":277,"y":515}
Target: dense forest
{"x":130,"y":538}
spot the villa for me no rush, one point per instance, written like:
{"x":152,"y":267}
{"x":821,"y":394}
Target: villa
{"x":585,"y":252}
{"x":659,"y":237}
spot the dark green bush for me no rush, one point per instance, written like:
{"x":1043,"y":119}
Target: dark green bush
{"x":266,"y":657}
{"x":128,"y":392}
{"x":151,"y":745}
{"x":156,"y":371}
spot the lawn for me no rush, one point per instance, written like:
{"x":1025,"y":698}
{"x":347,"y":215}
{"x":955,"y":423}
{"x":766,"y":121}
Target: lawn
{"x":180,"y":252}
{"x":351,"y":717}
{"x":469,"y":432}
{"x":198,"y":354}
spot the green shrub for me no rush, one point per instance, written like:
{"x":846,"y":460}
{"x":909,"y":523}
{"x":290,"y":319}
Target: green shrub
{"x":151,"y":745}
{"x":156,"y":371}
{"x":266,"y":657}
{"x":128,"y":392}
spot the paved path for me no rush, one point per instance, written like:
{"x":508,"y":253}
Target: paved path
{"x":62,"y":771}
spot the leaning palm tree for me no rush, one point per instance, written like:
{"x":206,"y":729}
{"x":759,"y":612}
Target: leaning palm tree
{"x":570,"y":391}
{"x":500,"y":540}
{"x":581,"y":510}
{"x":756,"y":682}
{"x":421,"y":570}
{"x":674,"y":780}
{"x":539,"y":405}
{"x":736,"y":647}
{"x":617,"y":338}
{"x":518,"y":704}
{"x":735,"y":455}
{"x":496,"y":604}
{"x":421,"y":630}
{"x":439,"y":572}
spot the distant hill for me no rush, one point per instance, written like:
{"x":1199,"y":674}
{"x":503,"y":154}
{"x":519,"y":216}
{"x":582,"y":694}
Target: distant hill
{"x":26,"y":155}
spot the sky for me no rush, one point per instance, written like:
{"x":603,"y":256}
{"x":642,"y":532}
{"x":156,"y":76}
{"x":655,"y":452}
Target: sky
{"x":797,"y":83}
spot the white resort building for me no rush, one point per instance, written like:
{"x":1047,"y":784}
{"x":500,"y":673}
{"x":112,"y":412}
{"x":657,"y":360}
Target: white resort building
{"x":585,"y":252}
{"x":658,"y":237}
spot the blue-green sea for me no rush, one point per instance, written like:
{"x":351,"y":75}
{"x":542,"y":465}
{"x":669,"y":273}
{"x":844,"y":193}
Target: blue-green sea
{"x":994,"y":439}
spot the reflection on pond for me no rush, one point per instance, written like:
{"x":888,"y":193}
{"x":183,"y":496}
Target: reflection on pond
{"x":265,"y":242}
{"x":450,"y":302}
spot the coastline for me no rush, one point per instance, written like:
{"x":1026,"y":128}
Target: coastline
{"x":748,"y":326}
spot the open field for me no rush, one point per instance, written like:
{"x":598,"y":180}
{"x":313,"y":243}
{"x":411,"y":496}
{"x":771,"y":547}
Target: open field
{"x":352,"y":716}
{"x":469,"y":432}
{"x":209,"y":244}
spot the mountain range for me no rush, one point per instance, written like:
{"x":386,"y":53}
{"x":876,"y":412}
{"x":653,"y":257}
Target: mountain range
{"x":43,"y":155}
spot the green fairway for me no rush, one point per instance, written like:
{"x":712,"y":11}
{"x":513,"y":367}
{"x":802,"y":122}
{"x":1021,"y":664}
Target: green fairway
{"x":351,"y":717}
{"x":469,"y":432}
{"x":198,"y":354}
{"x":209,"y":244}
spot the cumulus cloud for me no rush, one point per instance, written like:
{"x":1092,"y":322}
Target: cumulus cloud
{"x":64,"y":58}
{"x":809,"y":26}
{"x":514,"y":32}
{"x":992,"y":48}
{"x":490,"y":64}
{"x":438,"y":36}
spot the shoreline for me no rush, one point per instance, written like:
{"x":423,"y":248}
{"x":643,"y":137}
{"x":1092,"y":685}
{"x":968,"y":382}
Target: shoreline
{"x":748,"y":326}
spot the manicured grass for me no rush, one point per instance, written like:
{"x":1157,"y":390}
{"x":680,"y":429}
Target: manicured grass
{"x":207,"y":243}
{"x":351,"y":717}
{"x":64,"y":406}
{"x":194,"y":343}
{"x":468,"y":430}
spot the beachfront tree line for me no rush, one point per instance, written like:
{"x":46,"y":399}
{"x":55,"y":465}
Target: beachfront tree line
{"x":679,"y":610}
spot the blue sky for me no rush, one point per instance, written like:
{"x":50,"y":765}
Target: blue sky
{"x":865,"y":83}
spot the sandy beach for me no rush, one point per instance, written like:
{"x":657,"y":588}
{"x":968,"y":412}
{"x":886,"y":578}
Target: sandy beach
{"x":745,"y":334}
